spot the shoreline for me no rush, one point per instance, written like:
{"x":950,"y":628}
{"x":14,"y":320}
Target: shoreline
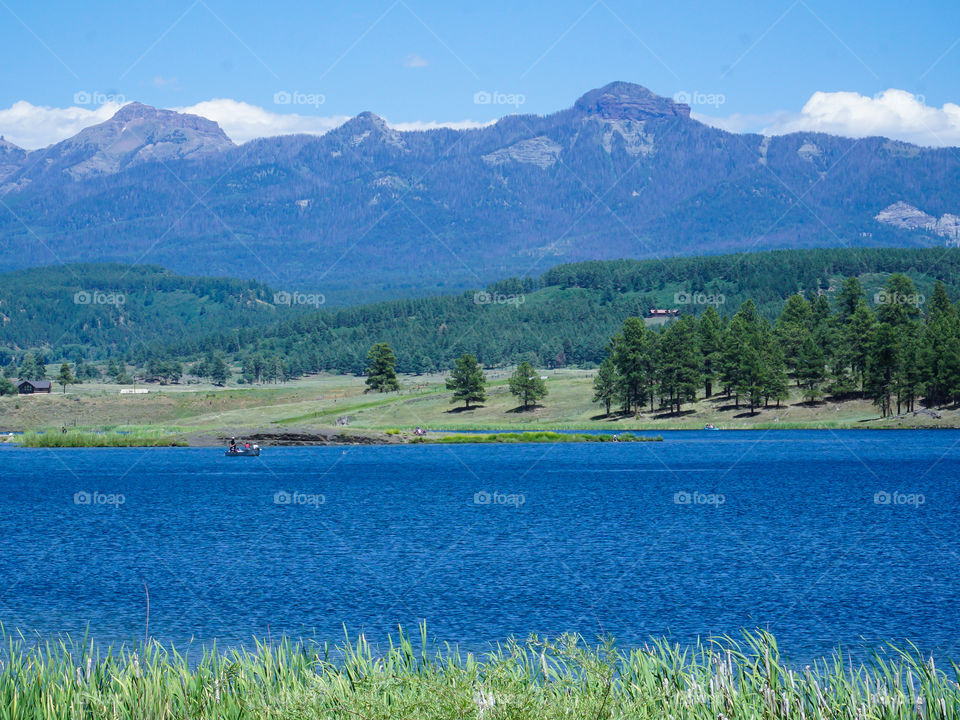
{"x":360,"y":437}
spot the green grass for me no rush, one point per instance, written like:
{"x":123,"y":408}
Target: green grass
{"x":532,"y":680}
{"x":542,"y":436}
{"x":135,"y":437}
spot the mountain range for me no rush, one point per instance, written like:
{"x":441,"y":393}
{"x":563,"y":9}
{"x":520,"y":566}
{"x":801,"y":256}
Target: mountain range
{"x":367,"y":212}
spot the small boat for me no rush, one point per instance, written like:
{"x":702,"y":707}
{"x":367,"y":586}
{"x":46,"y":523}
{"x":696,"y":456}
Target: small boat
{"x":710,"y":427}
{"x":252,"y":451}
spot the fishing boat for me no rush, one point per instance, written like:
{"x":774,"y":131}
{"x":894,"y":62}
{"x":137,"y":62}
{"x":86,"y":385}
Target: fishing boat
{"x":238,"y":451}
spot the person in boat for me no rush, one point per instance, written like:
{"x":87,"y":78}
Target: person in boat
{"x":233,"y":444}
{"x":246,"y":446}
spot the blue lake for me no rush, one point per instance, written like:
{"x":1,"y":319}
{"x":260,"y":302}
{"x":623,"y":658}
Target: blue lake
{"x":822,"y":537}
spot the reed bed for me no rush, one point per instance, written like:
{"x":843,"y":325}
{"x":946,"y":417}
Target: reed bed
{"x":535,"y":679}
{"x":135,"y":437}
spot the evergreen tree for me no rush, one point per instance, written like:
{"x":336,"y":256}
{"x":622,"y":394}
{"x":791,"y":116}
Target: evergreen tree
{"x":793,"y":327}
{"x":745,"y":330}
{"x":810,"y":363}
{"x":7,"y":387}
{"x":710,"y":337}
{"x":467,"y":381}
{"x":381,"y":369}
{"x":775,"y":380}
{"x":750,"y":377}
{"x":606,"y":384}
{"x":65,"y":377}
{"x":247,"y":370}
{"x":882,"y":363}
{"x":219,"y":372}
{"x":634,"y":355}
{"x":678,"y":362}
{"x":28,"y":368}
{"x":527,"y":385}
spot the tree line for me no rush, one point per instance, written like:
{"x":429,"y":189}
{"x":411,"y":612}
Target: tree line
{"x":895,"y":354}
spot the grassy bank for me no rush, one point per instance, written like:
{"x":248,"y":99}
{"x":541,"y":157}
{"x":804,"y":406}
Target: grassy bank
{"x":520,"y":681}
{"x":336,"y":402}
{"x":134,"y":437}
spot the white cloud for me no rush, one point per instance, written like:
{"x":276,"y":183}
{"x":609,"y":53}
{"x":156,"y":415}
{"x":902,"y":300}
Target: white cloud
{"x":893,"y":113}
{"x":415,"y":61}
{"x":34,"y":126}
{"x":242,"y":121}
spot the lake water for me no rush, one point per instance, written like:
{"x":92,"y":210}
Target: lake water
{"x":822,"y":537}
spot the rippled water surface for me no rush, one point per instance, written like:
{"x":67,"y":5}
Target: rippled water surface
{"x":822,"y":537}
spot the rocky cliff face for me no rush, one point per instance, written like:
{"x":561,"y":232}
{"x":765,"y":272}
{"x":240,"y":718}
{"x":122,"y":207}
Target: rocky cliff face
{"x":627,"y":101}
{"x":907,"y":217}
{"x":136,"y":134}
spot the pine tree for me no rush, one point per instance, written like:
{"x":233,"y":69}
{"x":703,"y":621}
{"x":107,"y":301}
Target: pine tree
{"x":65,"y":377}
{"x":750,"y":377}
{"x":775,"y":380}
{"x":810,"y":363}
{"x":882,"y":362}
{"x":710,"y":335}
{"x":606,"y":383}
{"x":219,"y":372}
{"x":247,"y":370}
{"x":467,"y":381}
{"x":28,"y":368}
{"x":381,"y":369}
{"x":527,"y":385}
{"x":678,"y":363}
{"x":793,"y":327}
{"x":634,"y":355}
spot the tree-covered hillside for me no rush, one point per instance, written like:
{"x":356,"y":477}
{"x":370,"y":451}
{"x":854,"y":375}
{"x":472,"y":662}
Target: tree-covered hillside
{"x":99,"y":310}
{"x":567,"y":316}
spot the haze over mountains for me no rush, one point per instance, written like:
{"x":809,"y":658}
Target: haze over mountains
{"x":367,"y":211}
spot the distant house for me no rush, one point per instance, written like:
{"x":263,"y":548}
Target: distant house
{"x":661,"y":312}
{"x":29,"y":387}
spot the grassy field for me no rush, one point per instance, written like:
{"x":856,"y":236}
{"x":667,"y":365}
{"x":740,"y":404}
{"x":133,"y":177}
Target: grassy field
{"x":203,"y":413}
{"x":533,"y":680}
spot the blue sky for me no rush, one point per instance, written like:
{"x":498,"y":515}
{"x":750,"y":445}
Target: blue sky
{"x":423,"y":61}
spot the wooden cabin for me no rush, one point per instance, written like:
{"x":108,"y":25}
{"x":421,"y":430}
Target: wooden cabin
{"x":29,"y":387}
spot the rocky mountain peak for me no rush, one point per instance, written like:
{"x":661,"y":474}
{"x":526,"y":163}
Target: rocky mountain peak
{"x":628,"y":101}
{"x":136,"y":113}
{"x":367,"y":126}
